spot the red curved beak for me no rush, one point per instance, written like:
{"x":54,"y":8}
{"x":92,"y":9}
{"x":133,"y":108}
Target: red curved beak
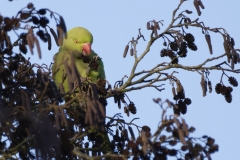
{"x":86,"y":48}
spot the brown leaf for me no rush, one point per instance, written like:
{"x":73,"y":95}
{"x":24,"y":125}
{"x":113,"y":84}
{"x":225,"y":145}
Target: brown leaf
{"x":208,"y":39}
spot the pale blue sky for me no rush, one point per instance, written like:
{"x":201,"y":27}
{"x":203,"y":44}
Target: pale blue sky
{"x":114,"y":23}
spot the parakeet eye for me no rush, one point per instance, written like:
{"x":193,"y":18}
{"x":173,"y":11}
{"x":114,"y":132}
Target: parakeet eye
{"x":76,"y":41}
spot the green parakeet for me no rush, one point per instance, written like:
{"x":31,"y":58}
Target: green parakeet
{"x":78,"y":43}
{"x":76,"y":49}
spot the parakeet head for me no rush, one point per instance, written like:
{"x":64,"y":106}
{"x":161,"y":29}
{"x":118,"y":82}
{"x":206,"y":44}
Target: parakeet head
{"x":79,"y":39}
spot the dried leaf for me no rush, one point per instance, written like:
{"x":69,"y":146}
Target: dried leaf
{"x":196,"y":4}
{"x":125,"y":51}
{"x":54,"y":35}
{"x":208,"y":39}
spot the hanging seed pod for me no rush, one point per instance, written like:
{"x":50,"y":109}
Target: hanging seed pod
{"x":54,"y":35}
{"x":131,"y":133}
{"x":126,"y":134}
{"x":155,"y":31}
{"x":119,"y":103}
{"x":225,"y":45}
{"x":188,"y":12}
{"x":156,"y":25}
{"x":125,"y":51}
{"x":165,"y":43}
{"x":42,"y":11}
{"x":233,"y":81}
{"x":126,"y":111}
{"x":185,"y":21}
{"x":201,"y":4}
{"x":25,"y":15}
{"x":232,"y":42}
{"x":60,"y":35}
{"x":174,"y":91}
{"x":38,"y":47}
{"x":210,"y":86}
{"x":196,"y":5}
{"x":203,"y":88}
{"x":228,"y":38}
{"x":131,"y":51}
{"x":23,"y":48}
{"x":35,"y":20}
{"x":152,"y":27}
{"x":63,"y":26}
{"x":208,"y":39}
{"x":232,"y":63}
{"x":148,"y":26}
{"x":30,"y":42}
{"x":49,"y":41}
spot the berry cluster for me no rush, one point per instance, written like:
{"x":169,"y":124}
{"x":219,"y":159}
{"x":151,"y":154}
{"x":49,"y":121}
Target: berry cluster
{"x":226,"y":90}
{"x":181,"y":101}
{"x":179,"y":49}
{"x":189,"y":38}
